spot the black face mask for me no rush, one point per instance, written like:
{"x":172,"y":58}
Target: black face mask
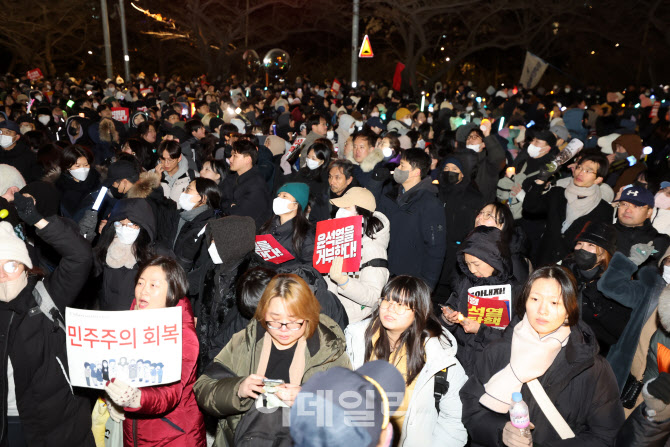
{"x":72,"y":131}
{"x":585,"y":260}
{"x":115,"y":192}
{"x":449,"y":178}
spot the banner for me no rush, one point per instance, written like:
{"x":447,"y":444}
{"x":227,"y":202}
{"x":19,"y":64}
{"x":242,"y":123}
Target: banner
{"x":335,"y":87}
{"x":338,"y":237}
{"x":533,"y":69}
{"x":140,"y":347}
{"x":270,"y":250}
{"x":34,"y":74}
{"x":121,"y":114}
{"x":490,"y":305}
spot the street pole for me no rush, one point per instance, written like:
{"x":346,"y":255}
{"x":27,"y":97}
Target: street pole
{"x":105,"y":35}
{"x":124,"y":40}
{"x":354,"y":46}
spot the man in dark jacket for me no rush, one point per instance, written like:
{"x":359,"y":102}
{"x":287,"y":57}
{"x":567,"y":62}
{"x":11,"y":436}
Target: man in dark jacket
{"x":246,"y":194}
{"x":418,"y":239}
{"x":636,"y":205}
{"x":367,"y":155}
{"x":15,"y":152}
{"x":568,"y":209}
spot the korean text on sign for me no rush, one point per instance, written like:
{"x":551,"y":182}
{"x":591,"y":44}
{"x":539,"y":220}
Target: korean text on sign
{"x":338,"y":238}
{"x":270,"y":250}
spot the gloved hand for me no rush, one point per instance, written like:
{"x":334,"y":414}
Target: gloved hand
{"x":123,"y":394}
{"x":512,"y":436}
{"x":381,"y":174}
{"x":115,"y":412}
{"x":335,"y":273}
{"x":639,"y":253}
{"x":656,"y":394}
{"x":284,"y":164}
{"x":88,"y":224}
{"x":25,"y":208}
{"x":544,"y":174}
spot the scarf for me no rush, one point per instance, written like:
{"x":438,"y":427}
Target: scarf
{"x":581,"y":201}
{"x":297,"y":368}
{"x":530,"y":358}
{"x":188,"y":216}
{"x":120,"y":255}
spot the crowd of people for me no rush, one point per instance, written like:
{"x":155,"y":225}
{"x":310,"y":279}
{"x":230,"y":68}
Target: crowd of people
{"x":150,"y":192}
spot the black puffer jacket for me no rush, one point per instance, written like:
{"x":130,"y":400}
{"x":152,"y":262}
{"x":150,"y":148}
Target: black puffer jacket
{"x":626,"y":237}
{"x":76,"y":196}
{"x":23,"y":159}
{"x":51,"y":414}
{"x":247,"y":195}
{"x":579,"y":382}
{"x":284,"y":235}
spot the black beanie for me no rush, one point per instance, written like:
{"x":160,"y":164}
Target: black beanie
{"x":234,"y":237}
{"x":47,"y":197}
{"x":601,"y":234}
{"x":546,"y":136}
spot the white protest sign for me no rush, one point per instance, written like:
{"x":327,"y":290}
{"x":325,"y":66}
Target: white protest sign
{"x":140,"y":347}
{"x":533,"y":69}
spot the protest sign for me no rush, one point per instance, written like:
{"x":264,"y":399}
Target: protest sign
{"x":490,"y":305}
{"x":298,"y":141}
{"x":335,"y":87}
{"x":35,"y":74}
{"x":121,"y":114}
{"x":338,"y":237}
{"x":140,"y":347}
{"x":270,"y":250}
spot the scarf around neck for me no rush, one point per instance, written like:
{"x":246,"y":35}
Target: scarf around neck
{"x":581,"y":201}
{"x":120,"y":255}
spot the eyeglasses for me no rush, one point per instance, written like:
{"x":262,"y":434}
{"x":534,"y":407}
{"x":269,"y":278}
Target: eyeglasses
{"x":486,"y":215}
{"x":128,"y":225}
{"x":10,"y":267}
{"x":291,"y":326}
{"x":395,"y":306}
{"x":473,"y":137}
{"x":585,"y":171}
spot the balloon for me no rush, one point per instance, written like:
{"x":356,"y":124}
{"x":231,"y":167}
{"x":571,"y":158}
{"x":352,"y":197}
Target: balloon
{"x":252,"y":62}
{"x":277,"y":62}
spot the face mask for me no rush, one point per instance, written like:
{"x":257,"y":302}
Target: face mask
{"x":400,"y":176}
{"x":126,"y":235}
{"x":330,"y":134}
{"x":620,"y":156}
{"x":474,"y":147}
{"x":429,"y":120}
{"x":80,"y":173}
{"x":72,"y":131}
{"x":214,"y":254}
{"x":449,"y":177}
{"x":421,"y":144}
{"x":407,"y":121}
{"x":185,"y":202}
{"x":567,"y":90}
{"x":387,"y":151}
{"x":342,"y":212}
{"x":534,"y":151}
{"x":11,"y":289}
{"x":374,"y":114}
{"x":96,"y":105}
{"x":666,"y":273}
{"x":662,"y":200}
{"x":468,"y":109}
{"x":352,"y":130}
{"x":44,"y":119}
{"x":280,"y":206}
{"x":585,"y":260}
{"x":38,"y":98}
{"x":313,"y":164}
{"x":6,"y":141}
{"x":116,"y":193}
{"x":25,"y":129}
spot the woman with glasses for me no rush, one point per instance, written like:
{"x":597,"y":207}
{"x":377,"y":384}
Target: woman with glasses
{"x":403,"y":331}
{"x":287,"y":341}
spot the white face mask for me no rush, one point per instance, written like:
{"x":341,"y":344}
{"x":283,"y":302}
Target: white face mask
{"x":330,"y":134}
{"x":352,"y":129}
{"x":534,"y":151}
{"x":80,"y":173}
{"x":429,"y":120}
{"x":421,"y":144}
{"x":11,"y":289}
{"x":666,"y":273}
{"x":25,"y":129}
{"x":185,"y":201}
{"x":281,"y":206}
{"x":474,"y":147}
{"x":407,"y":121}
{"x":126,"y":235}
{"x":44,"y":119}
{"x":38,"y":98}
{"x":387,"y":151}
{"x":6,"y":141}
{"x":313,"y":164}
{"x":374,"y":114}
{"x":343,"y":212}
{"x":214,"y":254}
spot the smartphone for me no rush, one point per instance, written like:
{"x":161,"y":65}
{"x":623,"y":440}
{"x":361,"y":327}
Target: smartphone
{"x":98,"y":200}
{"x":274,"y":129}
{"x":70,"y":103}
{"x":273,"y":382}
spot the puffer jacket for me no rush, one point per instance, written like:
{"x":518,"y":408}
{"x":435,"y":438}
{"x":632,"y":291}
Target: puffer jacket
{"x":169,"y":414}
{"x":423,"y":426}
{"x":216,"y":390}
{"x":174,"y":185}
{"x":361,"y":294}
{"x":283,"y":233}
{"x":579,"y":383}
{"x":51,"y":413}
{"x":363,"y":171}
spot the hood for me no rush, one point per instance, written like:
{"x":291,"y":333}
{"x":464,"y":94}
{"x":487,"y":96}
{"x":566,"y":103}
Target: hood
{"x":234,"y":238}
{"x":442,"y":347}
{"x":183,"y":169}
{"x":665,"y":255}
{"x":632,"y":143}
{"x":142,"y":188}
{"x":374,"y":157}
{"x":664,"y":308}
{"x":383,"y":236}
{"x":345,"y":121}
{"x":137,"y":211}
{"x":485,"y":243}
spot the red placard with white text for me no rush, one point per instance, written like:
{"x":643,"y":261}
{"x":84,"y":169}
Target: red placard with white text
{"x":140,"y":347}
{"x":121,"y":114}
{"x":338,"y":237}
{"x":270,"y":250}
{"x":35,"y":74}
{"x":335,"y":86}
{"x":490,"y":305}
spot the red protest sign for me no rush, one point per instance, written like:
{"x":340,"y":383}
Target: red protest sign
{"x":338,"y":237}
{"x":335,"y":87}
{"x":121,"y":114}
{"x":270,"y":250}
{"x":35,"y":74}
{"x":146,"y":91}
{"x":490,"y":305}
{"x":654,"y":109}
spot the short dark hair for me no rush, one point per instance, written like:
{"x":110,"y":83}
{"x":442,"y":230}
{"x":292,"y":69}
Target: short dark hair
{"x":314,"y":120}
{"x":199,"y":104}
{"x":210,"y":190}
{"x":247,"y":148}
{"x":174,"y":275}
{"x":346,"y":166}
{"x":227,"y":129}
{"x":143,"y":127}
{"x":72,"y":153}
{"x":250,"y":288}
{"x":417,"y":158}
{"x":566,"y":280}
{"x":193,"y":125}
{"x":393,"y":141}
{"x":172,"y":147}
{"x":600,"y":159}
{"x":368,"y":136}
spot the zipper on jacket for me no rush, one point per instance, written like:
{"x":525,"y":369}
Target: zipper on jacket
{"x":2,"y":382}
{"x":135,"y":432}
{"x":172,"y":424}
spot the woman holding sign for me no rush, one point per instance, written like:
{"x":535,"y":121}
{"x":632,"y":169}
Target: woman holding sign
{"x":550,"y":344}
{"x":165,"y":415}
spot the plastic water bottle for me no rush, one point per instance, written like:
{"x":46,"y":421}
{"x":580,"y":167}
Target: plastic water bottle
{"x":518,"y":414}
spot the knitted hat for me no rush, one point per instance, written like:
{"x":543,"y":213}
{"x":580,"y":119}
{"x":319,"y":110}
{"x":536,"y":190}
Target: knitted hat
{"x":356,"y":196}
{"x":10,"y":176}
{"x":234,"y":237}
{"x":214,"y":123}
{"x":11,"y":247}
{"x":299,"y":191}
{"x":402,"y":113}
{"x":546,"y":136}
{"x":375,"y":121}
{"x":454,"y":161}
{"x":405,"y":142}
{"x":601,"y":234}
{"x":11,"y":125}
{"x":560,"y":132}
{"x":463,"y":131}
{"x":277,"y":145}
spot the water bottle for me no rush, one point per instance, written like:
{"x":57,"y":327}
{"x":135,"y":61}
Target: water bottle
{"x":518,"y":414}
{"x":573,"y":147}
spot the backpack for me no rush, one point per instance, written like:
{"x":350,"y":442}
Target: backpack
{"x":441,"y":387}
{"x":264,"y":428}
{"x":47,"y":306}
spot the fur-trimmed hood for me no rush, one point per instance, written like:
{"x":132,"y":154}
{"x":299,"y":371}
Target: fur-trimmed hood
{"x":369,"y":162}
{"x":142,"y":188}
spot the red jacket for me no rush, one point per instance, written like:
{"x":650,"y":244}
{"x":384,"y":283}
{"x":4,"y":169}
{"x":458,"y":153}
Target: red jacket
{"x":169,"y":414}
